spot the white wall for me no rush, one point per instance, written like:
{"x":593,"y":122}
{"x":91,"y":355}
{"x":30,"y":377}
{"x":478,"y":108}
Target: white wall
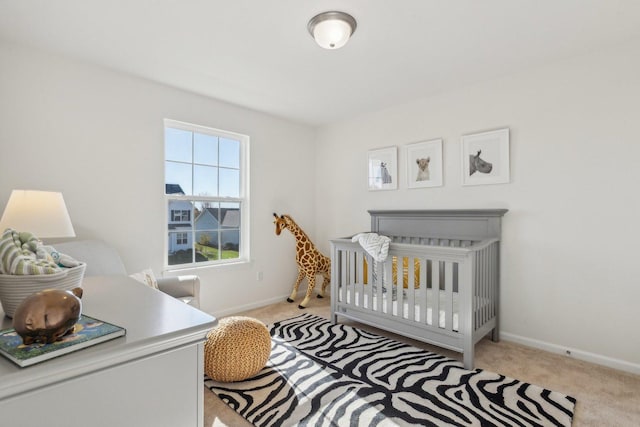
{"x":97,"y":136}
{"x":570,"y":237}
{"x":570,"y":278}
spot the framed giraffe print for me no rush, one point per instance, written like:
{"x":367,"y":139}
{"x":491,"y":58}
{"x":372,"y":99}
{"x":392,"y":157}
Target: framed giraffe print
{"x":382,"y":168}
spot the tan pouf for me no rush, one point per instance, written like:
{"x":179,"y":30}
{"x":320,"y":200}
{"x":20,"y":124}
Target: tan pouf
{"x":236,"y":349}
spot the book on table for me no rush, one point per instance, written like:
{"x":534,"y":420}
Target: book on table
{"x":86,"y":332}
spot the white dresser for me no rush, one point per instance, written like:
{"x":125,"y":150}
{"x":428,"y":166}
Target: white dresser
{"x":153,"y":376}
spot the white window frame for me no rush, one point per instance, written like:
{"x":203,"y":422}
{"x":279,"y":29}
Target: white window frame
{"x":182,"y":238}
{"x":243,"y":199}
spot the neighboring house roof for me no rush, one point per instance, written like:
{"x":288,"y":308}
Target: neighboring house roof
{"x":173,"y":189}
{"x":231,"y":218}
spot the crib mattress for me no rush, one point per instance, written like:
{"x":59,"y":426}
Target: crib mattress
{"x":442,"y":315}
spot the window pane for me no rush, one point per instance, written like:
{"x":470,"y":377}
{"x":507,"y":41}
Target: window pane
{"x":179,"y":215}
{"x":230,"y":230}
{"x":207,"y":245}
{"x":229,"y":183}
{"x":180,"y":226}
{"x":230,"y":215}
{"x":205,"y":181}
{"x":229,"y":153}
{"x":177,"y":174}
{"x":205,"y":149}
{"x":208,"y":216}
{"x":230,"y":241}
{"x":177,"y":145}
{"x":200,"y":207}
{"x":180,"y":251}
{"x":207,"y":235}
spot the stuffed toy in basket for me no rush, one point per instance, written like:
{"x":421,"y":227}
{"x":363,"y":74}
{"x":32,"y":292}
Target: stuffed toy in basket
{"x":28,"y":266}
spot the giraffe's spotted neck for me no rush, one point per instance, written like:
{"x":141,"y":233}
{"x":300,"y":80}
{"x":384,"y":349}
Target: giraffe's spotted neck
{"x":297,"y":232}
{"x":305,"y":249}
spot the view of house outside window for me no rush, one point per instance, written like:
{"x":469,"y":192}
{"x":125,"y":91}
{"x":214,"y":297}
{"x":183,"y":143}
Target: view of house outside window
{"x":206,"y":181}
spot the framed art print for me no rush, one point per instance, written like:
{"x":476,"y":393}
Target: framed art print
{"x":382,"y":166}
{"x":424,"y":164}
{"x":485,"y":158}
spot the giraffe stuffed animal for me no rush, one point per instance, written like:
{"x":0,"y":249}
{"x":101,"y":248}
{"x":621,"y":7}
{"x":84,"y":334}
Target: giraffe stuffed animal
{"x":310,"y":261}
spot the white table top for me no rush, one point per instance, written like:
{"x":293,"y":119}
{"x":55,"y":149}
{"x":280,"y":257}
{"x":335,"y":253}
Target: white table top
{"x":155,"y":323}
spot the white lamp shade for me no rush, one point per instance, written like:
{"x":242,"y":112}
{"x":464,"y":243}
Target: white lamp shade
{"x":332,"y":34}
{"x":332,"y":30}
{"x":42,"y":213}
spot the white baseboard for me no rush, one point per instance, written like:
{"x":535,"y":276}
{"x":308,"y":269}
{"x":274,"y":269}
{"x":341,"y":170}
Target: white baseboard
{"x":586,"y":356}
{"x":239,"y":309}
{"x":257,"y":304}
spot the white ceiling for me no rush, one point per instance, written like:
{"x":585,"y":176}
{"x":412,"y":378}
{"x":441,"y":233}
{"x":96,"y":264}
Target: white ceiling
{"x":258,"y":53}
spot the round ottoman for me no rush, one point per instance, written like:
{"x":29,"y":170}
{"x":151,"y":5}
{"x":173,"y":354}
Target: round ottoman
{"x":236,"y":349}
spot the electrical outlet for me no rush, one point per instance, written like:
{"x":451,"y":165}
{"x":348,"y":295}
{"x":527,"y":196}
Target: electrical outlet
{"x":259,"y":276}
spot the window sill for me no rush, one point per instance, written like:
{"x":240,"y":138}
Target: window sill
{"x":195,"y":267}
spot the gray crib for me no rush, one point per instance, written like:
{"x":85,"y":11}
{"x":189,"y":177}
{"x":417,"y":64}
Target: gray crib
{"x":439,"y":284}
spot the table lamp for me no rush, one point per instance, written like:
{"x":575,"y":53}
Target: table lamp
{"x":42,"y":213}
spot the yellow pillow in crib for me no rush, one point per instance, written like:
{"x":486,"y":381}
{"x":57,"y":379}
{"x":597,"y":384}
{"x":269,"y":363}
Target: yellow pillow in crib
{"x":365,"y":274}
{"x":405,"y":272}
{"x":394,"y":272}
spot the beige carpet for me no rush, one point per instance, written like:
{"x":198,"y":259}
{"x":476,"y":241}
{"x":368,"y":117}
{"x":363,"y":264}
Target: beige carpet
{"x":606,"y":397}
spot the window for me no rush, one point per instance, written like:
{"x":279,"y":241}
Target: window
{"x":180,"y":215}
{"x":206,"y":188}
{"x":182,"y":238}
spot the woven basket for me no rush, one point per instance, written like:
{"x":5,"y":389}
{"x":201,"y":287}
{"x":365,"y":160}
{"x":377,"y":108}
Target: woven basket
{"x":15,"y":288}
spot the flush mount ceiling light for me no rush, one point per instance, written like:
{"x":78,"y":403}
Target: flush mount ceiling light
{"x":331,"y":30}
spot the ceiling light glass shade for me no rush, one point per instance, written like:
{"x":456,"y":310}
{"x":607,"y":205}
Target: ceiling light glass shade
{"x":332,"y":30}
{"x":42,"y":213}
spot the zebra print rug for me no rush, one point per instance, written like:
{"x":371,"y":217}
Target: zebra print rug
{"x":321,"y":374}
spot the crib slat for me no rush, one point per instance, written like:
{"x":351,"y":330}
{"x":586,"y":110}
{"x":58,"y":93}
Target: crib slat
{"x":366,"y":280}
{"x":388,"y":284}
{"x":483,"y":282}
{"x":359,"y":279}
{"x":435,"y":294}
{"x":399,"y":286}
{"x":336,"y":269}
{"x":487,"y":296}
{"x":495,"y":290}
{"x":351,"y":269}
{"x":495,"y":282}
{"x":477,"y":290}
{"x":368,"y":293}
{"x":448,"y":296}
{"x":423,"y":291}
{"x":379,"y":280}
{"x":349,"y":276}
{"x":343,"y":276}
{"x":487,"y":284}
{"x":411,"y":290}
